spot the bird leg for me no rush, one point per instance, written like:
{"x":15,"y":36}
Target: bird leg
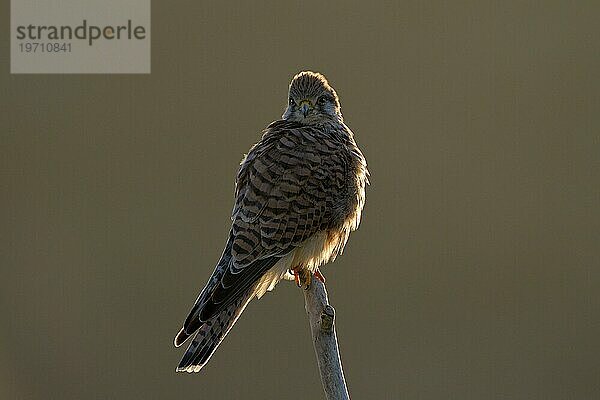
{"x":296,"y":277}
{"x":319,"y":276}
{"x":302,"y":277}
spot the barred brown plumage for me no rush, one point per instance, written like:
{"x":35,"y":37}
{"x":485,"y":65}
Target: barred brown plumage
{"x":299,"y":192}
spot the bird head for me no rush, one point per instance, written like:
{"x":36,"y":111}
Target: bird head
{"x":311,"y":100}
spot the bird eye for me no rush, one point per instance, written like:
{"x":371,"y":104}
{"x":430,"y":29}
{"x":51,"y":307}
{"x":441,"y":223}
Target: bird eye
{"x":322,"y":100}
{"x":292,"y":102}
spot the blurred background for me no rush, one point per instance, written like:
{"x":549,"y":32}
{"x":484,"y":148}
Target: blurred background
{"x":474,"y":274}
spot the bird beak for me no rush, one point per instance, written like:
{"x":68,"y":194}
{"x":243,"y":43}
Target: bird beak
{"x":305,"y":107}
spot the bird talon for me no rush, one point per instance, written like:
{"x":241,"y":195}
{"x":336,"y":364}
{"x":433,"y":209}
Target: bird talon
{"x":307,"y":279}
{"x":302,"y":277}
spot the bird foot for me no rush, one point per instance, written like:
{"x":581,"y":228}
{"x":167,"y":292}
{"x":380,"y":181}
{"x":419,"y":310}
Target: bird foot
{"x":296,"y":277}
{"x":319,"y":276}
{"x":301,"y":277}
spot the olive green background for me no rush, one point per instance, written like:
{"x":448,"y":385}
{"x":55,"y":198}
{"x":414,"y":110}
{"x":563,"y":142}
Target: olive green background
{"x":474,"y":274}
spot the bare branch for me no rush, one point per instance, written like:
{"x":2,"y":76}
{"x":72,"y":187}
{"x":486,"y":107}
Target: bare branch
{"x":321,"y":316}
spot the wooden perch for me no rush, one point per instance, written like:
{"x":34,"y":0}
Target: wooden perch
{"x":321,"y":316}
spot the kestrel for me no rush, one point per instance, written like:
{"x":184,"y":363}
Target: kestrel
{"x":299,"y":193}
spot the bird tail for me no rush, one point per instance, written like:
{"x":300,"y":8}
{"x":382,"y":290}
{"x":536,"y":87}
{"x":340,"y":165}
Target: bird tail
{"x":210,"y":335}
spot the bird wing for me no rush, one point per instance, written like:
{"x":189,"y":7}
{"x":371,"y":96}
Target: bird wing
{"x":285,"y":192}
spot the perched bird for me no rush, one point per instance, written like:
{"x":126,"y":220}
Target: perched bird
{"x":299,"y":192}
